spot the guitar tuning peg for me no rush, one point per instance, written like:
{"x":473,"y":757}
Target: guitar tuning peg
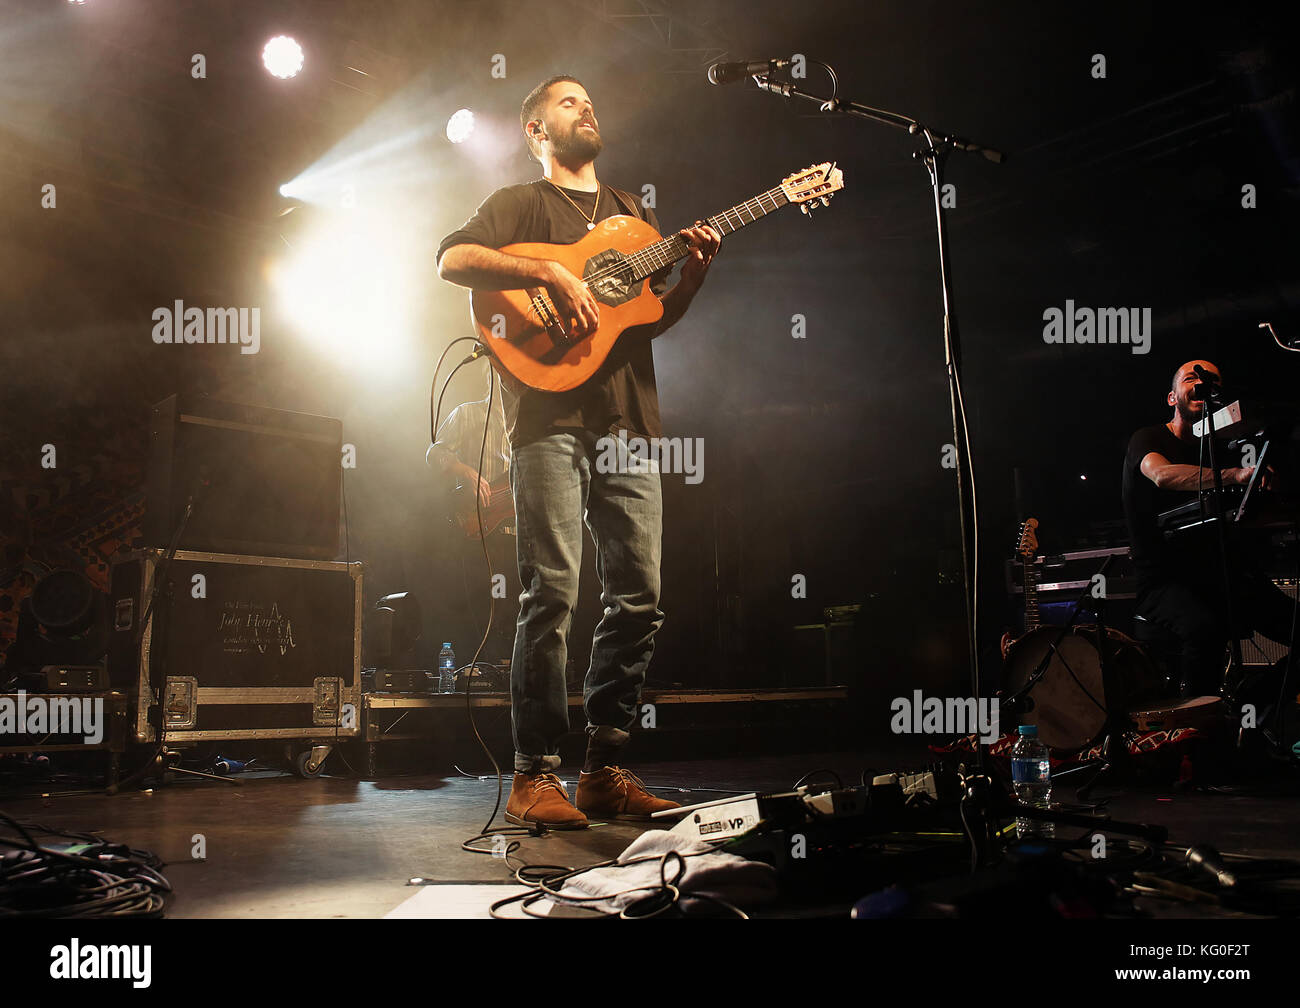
{"x":806,"y":209}
{"x":826,"y":201}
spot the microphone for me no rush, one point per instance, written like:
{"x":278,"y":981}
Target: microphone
{"x":1208,"y":388}
{"x":1210,"y":861}
{"x":725,"y":73}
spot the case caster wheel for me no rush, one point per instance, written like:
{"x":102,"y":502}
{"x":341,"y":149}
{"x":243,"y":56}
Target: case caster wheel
{"x":308,"y":763}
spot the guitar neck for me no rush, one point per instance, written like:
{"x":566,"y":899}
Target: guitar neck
{"x":1031,"y":596}
{"x":667,"y":251}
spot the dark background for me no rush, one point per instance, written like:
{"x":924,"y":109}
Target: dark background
{"x":822,"y":455}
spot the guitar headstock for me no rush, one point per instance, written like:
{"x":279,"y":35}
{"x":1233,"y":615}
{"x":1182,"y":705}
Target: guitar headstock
{"x":813,"y":184}
{"x":1027,"y":539}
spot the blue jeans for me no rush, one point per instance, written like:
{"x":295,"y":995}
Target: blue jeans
{"x":557,"y":484}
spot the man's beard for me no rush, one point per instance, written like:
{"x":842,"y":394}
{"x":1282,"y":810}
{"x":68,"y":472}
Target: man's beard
{"x":1189,"y":410}
{"x":577,"y":147}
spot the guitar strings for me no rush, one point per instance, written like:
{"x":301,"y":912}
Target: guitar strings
{"x":643,"y":258}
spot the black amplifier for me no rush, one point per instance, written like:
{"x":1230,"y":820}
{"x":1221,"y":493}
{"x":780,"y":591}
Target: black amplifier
{"x":485,"y":677}
{"x":237,"y":646}
{"x":263,"y":481}
{"x":75,"y":678}
{"x":400,"y":681}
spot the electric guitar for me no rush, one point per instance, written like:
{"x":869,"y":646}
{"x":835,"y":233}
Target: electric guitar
{"x":523,"y":330}
{"x":500,"y":508}
{"x":1026,"y":548}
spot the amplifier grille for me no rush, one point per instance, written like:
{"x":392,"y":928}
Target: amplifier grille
{"x":1260,"y":650}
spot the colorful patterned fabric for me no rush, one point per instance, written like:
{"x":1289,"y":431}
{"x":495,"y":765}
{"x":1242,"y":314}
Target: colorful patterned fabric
{"x":75,"y":515}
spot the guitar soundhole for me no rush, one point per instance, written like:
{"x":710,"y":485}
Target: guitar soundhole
{"x":617,"y":286}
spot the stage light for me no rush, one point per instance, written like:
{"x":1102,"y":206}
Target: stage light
{"x":460,"y":126}
{"x":282,"y":56}
{"x":347,"y":284}
{"x":65,"y":621}
{"x":399,"y":150}
{"x":395,"y":626}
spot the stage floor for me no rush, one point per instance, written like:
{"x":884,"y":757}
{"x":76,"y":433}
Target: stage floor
{"x":284,"y":847}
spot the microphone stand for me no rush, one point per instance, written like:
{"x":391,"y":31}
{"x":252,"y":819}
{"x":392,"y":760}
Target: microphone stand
{"x":935,"y":148}
{"x":1212,"y":398}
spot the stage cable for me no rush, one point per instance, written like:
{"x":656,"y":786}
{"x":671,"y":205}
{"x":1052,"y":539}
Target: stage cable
{"x":100,"y":879}
{"x":436,"y":411}
{"x":543,"y":882}
{"x":469,"y":844}
{"x":492,"y":603}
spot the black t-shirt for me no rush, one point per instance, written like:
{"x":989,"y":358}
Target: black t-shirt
{"x":622,"y":394}
{"x":1156,"y":559}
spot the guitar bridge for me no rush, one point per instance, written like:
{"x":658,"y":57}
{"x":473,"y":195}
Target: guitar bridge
{"x":545,"y":316}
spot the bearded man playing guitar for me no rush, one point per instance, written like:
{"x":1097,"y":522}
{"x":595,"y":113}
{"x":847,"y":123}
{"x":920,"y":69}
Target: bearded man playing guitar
{"x":554,"y":477}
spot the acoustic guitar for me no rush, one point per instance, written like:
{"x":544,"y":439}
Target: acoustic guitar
{"x":522,"y":329}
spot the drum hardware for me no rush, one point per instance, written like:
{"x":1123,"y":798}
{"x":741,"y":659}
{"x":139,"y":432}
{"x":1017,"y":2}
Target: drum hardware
{"x":1074,"y":691}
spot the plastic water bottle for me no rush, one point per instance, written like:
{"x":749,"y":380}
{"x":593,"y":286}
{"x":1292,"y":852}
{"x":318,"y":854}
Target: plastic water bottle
{"x":446,"y":669}
{"x":1031,"y":774}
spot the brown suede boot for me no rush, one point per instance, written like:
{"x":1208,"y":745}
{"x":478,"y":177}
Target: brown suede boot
{"x":615,"y":793}
{"x":541,"y":799}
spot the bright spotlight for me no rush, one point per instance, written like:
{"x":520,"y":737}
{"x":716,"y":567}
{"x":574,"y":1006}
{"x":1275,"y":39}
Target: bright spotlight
{"x":460,"y":126}
{"x":348,"y":287}
{"x":282,"y":57}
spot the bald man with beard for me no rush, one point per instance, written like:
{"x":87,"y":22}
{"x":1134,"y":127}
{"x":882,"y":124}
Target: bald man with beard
{"x":1180,"y":581}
